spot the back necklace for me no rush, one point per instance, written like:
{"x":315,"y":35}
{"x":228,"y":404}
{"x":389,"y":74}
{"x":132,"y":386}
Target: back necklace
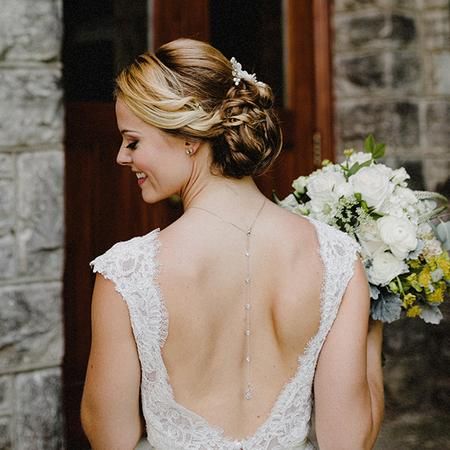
{"x":248,"y":393}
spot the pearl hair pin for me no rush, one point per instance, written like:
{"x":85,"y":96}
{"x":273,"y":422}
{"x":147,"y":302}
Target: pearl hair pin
{"x":240,"y":74}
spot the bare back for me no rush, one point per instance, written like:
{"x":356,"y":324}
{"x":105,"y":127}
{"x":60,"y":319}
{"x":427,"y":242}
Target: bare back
{"x":202,"y":283}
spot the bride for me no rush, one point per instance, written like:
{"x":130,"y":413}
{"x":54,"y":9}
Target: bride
{"x":235,"y":325}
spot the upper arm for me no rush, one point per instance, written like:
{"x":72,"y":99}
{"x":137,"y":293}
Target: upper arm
{"x":341,"y":374}
{"x":110,"y":406}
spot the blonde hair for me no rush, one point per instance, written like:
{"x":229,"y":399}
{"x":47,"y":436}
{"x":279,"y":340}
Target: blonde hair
{"x":186,"y":87}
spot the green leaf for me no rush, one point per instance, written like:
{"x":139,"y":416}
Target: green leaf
{"x":369,"y":144}
{"x":378,"y":151}
{"x":353,"y":169}
{"x":358,"y":196}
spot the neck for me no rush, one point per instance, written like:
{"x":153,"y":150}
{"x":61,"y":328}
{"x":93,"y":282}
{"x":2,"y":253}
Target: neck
{"x":216,"y":192}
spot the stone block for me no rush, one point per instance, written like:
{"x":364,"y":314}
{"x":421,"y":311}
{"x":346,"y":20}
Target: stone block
{"x":39,"y":423}
{"x":38,"y":92}
{"x":356,"y":31}
{"x":436,"y":28}
{"x":30,"y":30}
{"x":438,"y":124}
{"x":7,"y":206}
{"x":6,"y":166}
{"x":355,"y":5}
{"x":40,"y":213}
{"x":403,"y":390}
{"x":8,"y":266}
{"x":30,"y":326}
{"x":406,"y":72}
{"x":436,"y":172}
{"x":433,"y":4}
{"x":5,"y":433}
{"x":395,"y":123}
{"x":6,"y":397}
{"x":440,"y":63}
{"x":360,"y":74}
{"x":374,"y":29}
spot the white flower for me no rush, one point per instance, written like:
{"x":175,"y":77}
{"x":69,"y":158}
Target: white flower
{"x":358,"y":157}
{"x":370,"y":239}
{"x":373,"y":183}
{"x":400,"y":176}
{"x":299,"y":184}
{"x":385,"y":267}
{"x":399,"y":234}
{"x":432,"y":247}
{"x":321,"y":186}
{"x":290,"y":202}
{"x":344,"y":190}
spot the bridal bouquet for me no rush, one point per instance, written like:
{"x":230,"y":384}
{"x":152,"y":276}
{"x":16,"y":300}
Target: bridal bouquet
{"x":404,"y":244}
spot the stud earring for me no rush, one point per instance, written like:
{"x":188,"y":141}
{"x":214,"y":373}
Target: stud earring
{"x":189,"y":150}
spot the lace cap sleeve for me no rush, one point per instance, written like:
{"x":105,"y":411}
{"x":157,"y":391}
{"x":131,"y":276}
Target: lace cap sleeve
{"x":339,"y":253}
{"x":128,"y":264}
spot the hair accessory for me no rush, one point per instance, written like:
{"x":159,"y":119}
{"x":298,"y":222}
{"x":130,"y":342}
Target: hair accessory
{"x":240,"y":74}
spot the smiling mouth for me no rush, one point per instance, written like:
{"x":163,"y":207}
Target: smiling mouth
{"x":141,"y":177}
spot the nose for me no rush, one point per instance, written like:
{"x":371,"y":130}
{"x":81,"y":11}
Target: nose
{"x":124,"y":156}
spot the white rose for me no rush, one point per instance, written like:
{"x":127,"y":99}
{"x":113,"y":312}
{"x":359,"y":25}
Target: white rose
{"x":399,"y":234}
{"x":373,"y":183}
{"x":370,"y":239}
{"x":384,"y":268}
{"x":344,"y":190}
{"x":321,"y":186}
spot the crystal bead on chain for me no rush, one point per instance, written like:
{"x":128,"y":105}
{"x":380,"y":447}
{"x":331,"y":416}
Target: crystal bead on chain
{"x":248,"y":392}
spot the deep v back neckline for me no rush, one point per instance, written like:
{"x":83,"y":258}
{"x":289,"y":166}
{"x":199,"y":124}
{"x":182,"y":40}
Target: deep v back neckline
{"x":305,"y":361}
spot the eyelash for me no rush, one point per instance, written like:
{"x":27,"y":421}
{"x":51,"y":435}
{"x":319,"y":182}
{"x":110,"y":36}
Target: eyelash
{"x":132,"y":145}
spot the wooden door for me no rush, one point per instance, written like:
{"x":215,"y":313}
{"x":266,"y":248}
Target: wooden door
{"x":103,"y":203}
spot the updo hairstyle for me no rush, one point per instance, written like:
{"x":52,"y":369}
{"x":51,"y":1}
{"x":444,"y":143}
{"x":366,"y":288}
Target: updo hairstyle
{"x":186,"y":88}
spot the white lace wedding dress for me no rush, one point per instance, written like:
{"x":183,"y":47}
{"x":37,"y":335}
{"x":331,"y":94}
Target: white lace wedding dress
{"x":133,"y":267}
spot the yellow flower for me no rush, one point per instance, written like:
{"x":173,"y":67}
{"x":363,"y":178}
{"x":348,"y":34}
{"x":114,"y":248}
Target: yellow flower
{"x":437,"y":296}
{"x":424,"y":277}
{"x":412,"y":279}
{"x":414,"y":264}
{"x":414,"y":311}
{"x":408,"y":300}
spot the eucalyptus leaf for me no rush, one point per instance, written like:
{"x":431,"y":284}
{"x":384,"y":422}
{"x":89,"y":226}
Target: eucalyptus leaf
{"x":430,"y":314}
{"x":374,"y":291}
{"x":387,"y":307}
{"x":443,"y":234}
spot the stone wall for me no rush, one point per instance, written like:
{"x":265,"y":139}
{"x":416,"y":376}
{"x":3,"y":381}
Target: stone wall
{"x":31,"y":224}
{"x":392,"y":79}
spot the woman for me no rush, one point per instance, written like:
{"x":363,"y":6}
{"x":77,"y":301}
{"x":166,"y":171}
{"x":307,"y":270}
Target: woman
{"x":233,"y":322}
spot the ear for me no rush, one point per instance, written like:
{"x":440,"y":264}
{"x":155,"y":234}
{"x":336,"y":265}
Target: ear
{"x":191,"y":147}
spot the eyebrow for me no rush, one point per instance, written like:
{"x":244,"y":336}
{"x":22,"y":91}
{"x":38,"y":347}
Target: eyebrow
{"x":129,"y":131}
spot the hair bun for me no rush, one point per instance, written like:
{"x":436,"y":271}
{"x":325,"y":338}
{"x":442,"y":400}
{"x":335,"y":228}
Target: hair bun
{"x":251,"y":137}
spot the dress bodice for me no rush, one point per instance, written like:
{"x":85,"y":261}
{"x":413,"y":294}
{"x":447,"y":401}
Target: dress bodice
{"x":133,"y":267}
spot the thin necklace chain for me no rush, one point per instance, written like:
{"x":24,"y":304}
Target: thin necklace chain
{"x":249,"y":390}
